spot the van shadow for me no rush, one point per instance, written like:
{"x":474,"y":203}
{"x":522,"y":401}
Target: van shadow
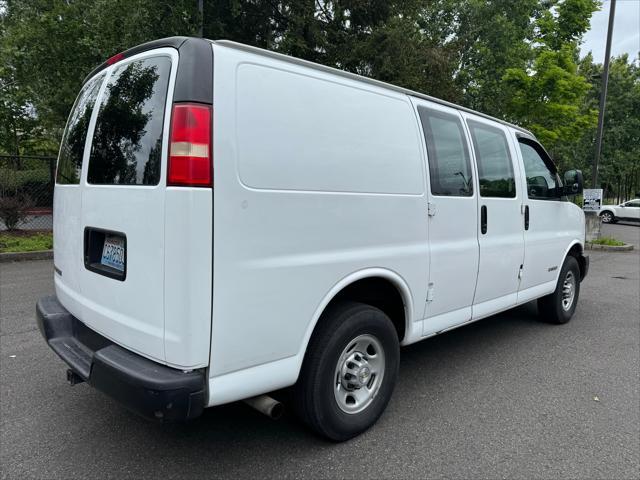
{"x":235,"y":433}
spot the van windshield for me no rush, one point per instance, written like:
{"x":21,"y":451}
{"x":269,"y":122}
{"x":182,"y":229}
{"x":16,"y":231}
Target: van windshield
{"x":127,"y":142}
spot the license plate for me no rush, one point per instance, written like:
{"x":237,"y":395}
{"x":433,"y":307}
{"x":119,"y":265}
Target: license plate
{"x":113,"y":252}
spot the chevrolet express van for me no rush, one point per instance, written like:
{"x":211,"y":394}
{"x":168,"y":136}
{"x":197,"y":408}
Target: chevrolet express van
{"x":230,"y":221}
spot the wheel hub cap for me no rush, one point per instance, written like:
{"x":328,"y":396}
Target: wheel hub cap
{"x":359,"y":373}
{"x":568,"y":290}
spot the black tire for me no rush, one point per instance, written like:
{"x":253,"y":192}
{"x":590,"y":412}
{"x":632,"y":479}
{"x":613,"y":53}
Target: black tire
{"x":551,"y":308}
{"x":314,"y":396}
{"x":608,"y":217}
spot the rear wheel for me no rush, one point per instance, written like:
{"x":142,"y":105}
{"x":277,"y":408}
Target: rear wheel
{"x":608,"y":217}
{"x":349,"y":371}
{"x":559,"y":306}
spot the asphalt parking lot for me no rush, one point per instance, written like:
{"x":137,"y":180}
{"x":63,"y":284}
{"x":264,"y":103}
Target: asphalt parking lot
{"x":504,"y":397}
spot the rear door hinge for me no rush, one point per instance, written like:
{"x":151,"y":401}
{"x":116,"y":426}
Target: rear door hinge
{"x":431,"y":209}
{"x":520,"y":273}
{"x":430,"y":293}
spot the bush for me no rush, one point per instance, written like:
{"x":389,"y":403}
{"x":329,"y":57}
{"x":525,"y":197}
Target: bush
{"x":13,"y":210}
{"x":13,"y":180}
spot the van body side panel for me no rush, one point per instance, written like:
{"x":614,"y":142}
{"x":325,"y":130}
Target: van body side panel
{"x":316,"y":177}
{"x":553,"y":226}
{"x":187,"y":276}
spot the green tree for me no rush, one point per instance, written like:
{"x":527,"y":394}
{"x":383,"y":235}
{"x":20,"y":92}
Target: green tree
{"x":548,"y":94}
{"x":619,"y":170}
{"x":49,"y":46}
{"x":515,"y":60}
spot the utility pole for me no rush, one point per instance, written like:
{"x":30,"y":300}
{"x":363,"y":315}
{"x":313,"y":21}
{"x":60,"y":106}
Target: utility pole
{"x":603,"y":96}
{"x":592,"y":220}
{"x":201,"y":13}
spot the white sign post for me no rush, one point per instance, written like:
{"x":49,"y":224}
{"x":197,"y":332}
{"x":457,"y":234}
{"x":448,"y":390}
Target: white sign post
{"x":592,"y":199}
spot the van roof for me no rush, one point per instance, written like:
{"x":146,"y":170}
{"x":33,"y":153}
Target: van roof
{"x":181,"y":42}
{"x":359,"y":78}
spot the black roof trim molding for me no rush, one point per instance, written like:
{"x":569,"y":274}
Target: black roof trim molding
{"x":194,"y":80}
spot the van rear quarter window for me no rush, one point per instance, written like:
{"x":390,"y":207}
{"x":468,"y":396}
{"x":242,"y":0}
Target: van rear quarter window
{"x":127,"y":142}
{"x":75,"y":135}
{"x":301,"y":132}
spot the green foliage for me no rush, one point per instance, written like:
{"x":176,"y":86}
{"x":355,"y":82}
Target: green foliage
{"x":620,"y":160}
{"x":517,"y":60}
{"x":47,"y":48}
{"x":12,"y":180}
{"x":25,"y":241}
{"x":547,"y":94}
{"x":612,"y":242}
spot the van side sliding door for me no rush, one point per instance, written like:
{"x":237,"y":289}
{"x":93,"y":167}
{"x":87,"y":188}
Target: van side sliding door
{"x":501,"y":236}
{"x":452,"y":214}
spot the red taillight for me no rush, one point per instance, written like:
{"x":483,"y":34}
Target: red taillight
{"x":190,"y":162}
{"x":116,"y":58}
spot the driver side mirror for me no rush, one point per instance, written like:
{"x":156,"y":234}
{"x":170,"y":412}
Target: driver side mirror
{"x":573,"y":182}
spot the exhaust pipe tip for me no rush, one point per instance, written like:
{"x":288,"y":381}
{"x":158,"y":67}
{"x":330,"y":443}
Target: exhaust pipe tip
{"x":266,"y":405}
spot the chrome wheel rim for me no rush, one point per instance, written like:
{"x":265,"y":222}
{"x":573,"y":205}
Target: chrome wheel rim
{"x":568,"y":290}
{"x":606,"y":217}
{"x":359,"y":374}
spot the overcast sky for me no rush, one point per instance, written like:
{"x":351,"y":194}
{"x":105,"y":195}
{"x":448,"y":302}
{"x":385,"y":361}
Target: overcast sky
{"x":626,"y":31}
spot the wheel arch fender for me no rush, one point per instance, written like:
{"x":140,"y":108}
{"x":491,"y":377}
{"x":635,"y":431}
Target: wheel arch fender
{"x":383,"y":273}
{"x":577,"y":247}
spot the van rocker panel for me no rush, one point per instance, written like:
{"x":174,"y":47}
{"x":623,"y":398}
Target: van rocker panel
{"x":143,"y":386}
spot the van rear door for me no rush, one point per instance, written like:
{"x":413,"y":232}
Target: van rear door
{"x":123,"y":204}
{"x":134,"y":199}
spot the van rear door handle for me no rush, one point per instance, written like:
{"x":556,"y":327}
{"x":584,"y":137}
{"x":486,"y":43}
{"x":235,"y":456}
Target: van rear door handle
{"x":483,"y":219}
{"x":526,"y":217}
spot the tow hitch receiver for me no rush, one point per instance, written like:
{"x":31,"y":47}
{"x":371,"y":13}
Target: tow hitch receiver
{"x":73,"y":378}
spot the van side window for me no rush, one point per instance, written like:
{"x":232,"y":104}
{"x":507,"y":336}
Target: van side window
{"x":127,"y":141}
{"x":72,"y":145}
{"x":542,"y":181}
{"x":495,"y":170}
{"x":449,"y":164}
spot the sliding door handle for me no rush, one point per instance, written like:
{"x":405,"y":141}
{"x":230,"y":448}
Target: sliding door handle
{"x":526,"y":217}
{"x":483,"y":219}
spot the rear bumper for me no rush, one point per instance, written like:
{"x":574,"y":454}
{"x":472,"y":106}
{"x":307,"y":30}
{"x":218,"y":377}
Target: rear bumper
{"x":145,"y":387}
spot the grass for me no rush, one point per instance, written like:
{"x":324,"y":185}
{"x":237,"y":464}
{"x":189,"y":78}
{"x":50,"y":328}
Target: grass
{"x":612,"y":242}
{"x":25,"y":241}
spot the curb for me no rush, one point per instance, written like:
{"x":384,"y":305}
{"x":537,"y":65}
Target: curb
{"x":610,"y":248}
{"x":23,"y":256}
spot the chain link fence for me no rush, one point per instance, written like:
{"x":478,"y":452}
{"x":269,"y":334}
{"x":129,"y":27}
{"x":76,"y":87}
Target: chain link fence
{"x":26,"y":192}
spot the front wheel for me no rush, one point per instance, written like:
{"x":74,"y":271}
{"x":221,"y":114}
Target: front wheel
{"x":559,"y":306}
{"x":349,"y":371}
{"x":608,"y":217}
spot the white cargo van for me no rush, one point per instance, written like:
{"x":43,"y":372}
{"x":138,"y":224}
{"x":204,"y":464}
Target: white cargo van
{"x":229,"y":222}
